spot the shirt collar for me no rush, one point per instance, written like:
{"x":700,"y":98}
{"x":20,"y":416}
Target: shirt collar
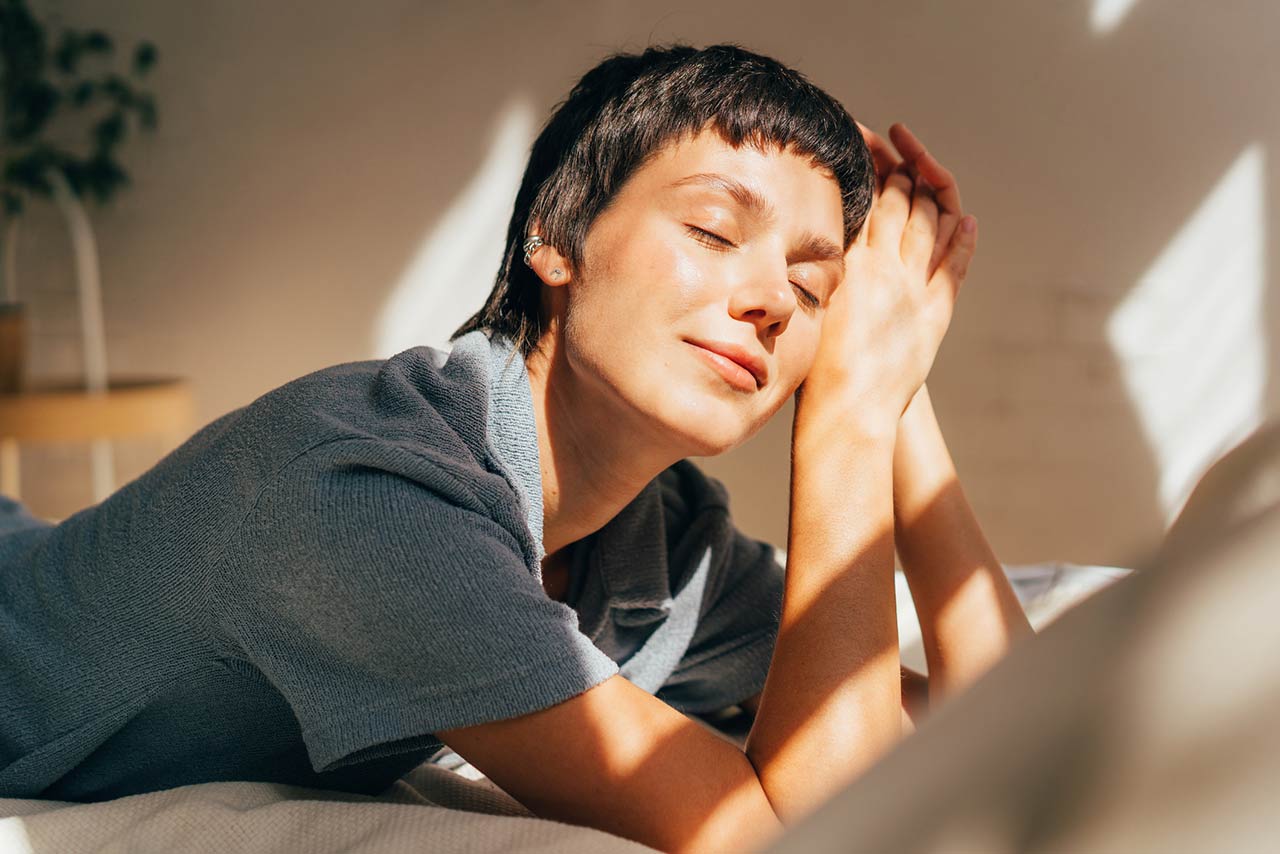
{"x":629,"y":553}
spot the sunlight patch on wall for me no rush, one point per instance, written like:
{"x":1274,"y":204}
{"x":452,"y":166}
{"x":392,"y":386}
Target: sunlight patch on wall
{"x":1190,"y":336}
{"x":453,"y":270}
{"x":1106,"y":15}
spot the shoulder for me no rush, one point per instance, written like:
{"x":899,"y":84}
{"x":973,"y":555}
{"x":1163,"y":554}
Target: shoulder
{"x":419,"y":414}
{"x":419,"y":396}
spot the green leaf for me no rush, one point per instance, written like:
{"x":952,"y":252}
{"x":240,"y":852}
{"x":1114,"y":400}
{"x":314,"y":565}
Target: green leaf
{"x":12,"y":203}
{"x":102,"y":177}
{"x":67,"y":55}
{"x":144,"y":58}
{"x":29,"y":170}
{"x":82,"y":93}
{"x":145,"y":106}
{"x":29,"y":106}
{"x":118,"y":89}
{"x":98,"y":42}
{"x":108,"y":133}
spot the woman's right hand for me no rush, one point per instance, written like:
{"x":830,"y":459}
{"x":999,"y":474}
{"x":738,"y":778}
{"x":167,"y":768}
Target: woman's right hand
{"x":884,"y":324}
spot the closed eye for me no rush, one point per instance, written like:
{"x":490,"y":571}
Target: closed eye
{"x":719,"y":244}
{"x":707,"y":238}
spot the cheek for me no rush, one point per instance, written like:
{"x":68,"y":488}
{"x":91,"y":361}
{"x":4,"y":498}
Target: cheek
{"x":797,"y":349}
{"x":650,"y":274}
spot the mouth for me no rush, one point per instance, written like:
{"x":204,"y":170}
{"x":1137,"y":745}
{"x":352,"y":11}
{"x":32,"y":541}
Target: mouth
{"x":737,"y":365}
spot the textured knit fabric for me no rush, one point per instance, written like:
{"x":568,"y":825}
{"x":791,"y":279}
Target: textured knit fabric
{"x":312,"y":585}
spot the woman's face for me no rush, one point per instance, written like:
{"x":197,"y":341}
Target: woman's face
{"x":706,"y":247}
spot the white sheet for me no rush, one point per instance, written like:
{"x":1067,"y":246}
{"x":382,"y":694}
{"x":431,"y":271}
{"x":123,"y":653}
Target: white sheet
{"x":431,"y":809}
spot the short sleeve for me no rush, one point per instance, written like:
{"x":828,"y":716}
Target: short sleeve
{"x":728,"y":658}
{"x":383,"y":611}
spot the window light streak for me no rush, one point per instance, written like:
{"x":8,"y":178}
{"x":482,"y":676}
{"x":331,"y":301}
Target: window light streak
{"x":453,"y":270}
{"x":1190,"y":336}
{"x":1106,"y":15}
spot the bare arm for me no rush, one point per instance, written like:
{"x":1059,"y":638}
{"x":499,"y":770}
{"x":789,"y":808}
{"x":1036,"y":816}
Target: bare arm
{"x":620,"y":760}
{"x":831,"y":703}
{"x":968,"y":612}
{"x":915,"y":699}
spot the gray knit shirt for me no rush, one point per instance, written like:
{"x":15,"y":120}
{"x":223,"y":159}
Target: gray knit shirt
{"x":312,"y":585}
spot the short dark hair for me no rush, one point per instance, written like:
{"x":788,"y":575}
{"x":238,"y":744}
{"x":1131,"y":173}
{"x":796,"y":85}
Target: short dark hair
{"x":621,"y":113}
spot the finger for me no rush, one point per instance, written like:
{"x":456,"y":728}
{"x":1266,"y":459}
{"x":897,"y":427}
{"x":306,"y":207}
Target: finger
{"x":882,"y":154}
{"x":920,"y":234}
{"x":943,"y":183}
{"x":889,"y":214}
{"x":860,"y":239}
{"x":947,"y":224}
{"x":925,"y":164}
{"x":908,"y":145}
{"x":926,"y":167}
{"x":950,"y":275}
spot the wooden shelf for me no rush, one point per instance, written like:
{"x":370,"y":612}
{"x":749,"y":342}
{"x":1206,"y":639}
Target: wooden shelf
{"x":66,"y":412}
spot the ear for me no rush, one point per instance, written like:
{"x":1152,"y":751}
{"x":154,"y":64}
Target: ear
{"x":551,"y":266}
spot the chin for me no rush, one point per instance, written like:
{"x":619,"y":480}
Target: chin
{"x":706,"y":427}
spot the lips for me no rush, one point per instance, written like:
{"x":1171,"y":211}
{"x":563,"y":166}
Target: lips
{"x":752,"y":363}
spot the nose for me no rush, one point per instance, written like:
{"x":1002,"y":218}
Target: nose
{"x":764,"y":297}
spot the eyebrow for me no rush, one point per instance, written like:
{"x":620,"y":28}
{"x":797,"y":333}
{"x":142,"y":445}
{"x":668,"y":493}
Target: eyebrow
{"x":813,"y":247}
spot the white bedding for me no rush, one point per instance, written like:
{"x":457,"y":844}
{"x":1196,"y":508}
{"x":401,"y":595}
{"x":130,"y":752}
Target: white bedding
{"x":430,"y":809}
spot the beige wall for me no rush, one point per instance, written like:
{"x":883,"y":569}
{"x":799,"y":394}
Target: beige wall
{"x":318,"y":160}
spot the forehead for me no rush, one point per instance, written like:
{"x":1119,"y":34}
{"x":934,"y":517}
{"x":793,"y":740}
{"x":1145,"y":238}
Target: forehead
{"x":773,"y":183}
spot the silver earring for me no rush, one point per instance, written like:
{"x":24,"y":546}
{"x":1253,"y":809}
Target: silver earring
{"x":555,"y":274}
{"x":530,"y":246}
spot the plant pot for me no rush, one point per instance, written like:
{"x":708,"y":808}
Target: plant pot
{"x":13,"y":346}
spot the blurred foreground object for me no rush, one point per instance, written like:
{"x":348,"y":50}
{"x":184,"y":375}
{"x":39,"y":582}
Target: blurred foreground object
{"x":1144,"y":720}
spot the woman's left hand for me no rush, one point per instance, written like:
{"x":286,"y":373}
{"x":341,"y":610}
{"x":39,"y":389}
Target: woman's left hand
{"x":921,"y":164}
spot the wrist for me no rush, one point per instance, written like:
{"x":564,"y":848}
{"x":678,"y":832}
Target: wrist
{"x":831,"y":440}
{"x":836,"y":417}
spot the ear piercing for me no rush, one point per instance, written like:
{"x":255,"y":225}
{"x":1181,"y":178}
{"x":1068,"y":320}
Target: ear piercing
{"x":530,"y":246}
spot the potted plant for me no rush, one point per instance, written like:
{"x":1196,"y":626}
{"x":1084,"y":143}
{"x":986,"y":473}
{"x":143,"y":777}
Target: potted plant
{"x":46,"y":88}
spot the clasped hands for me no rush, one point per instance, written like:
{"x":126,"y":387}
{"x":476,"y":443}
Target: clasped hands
{"x":885,"y":323}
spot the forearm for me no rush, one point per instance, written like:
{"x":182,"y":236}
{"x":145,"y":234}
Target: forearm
{"x":831,"y":704}
{"x":968,"y":612}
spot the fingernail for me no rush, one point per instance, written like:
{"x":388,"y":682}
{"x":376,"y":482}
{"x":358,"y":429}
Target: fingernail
{"x":969,"y":224}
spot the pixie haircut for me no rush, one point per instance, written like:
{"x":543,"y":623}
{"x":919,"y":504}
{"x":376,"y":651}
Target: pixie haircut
{"x":621,"y":114}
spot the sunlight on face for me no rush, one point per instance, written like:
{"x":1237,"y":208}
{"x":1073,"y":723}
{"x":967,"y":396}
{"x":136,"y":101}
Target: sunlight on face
{"x":706,"y":247}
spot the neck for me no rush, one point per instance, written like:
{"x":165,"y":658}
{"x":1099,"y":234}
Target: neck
{"x":593,"y":463}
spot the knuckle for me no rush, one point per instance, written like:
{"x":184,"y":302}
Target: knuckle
{"x":900,"y":177}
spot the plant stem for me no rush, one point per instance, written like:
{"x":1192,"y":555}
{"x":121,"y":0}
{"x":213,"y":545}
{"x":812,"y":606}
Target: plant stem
{"x":10,"y":251}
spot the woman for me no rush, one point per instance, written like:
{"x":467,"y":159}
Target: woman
{"x":505,"y":551}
